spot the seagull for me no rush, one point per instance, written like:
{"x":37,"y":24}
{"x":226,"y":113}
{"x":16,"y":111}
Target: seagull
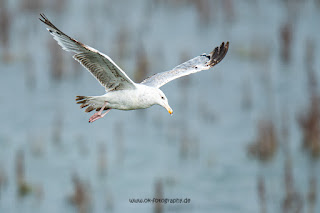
{"x":121,"y":92}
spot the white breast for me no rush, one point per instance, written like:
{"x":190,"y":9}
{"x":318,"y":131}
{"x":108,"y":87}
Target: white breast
{"x":139,"y":98}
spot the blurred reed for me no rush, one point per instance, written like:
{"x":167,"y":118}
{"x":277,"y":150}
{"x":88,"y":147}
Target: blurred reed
{"x":310,"y":120}
{"x":38,"y":192}
{"x":57,"y":128}
{"x":19,"y":162}
{"x":23,"y":187}
{"x":286,"y":42}
{"x":158,"y":207}
{"x":309,"y":64}
{"x":31,"y":5}
{"x":56,"y":60}
{"x":5,"y":25}
{"x":142,"y":65}
{"x":184,"y":145}
{"x":294,"y":9}
{"x":266,"y":142}
{"x":204,"y":11}
{"x":82,"y":145}
{"x":189,"y":145}
{"x":30,"y":79}
{"x":184,"y":84}
{"x":246,"y":98}
{"x":102,"y":163}
{"x":119,"y":142}
{"x":81,"y":197}
{"x":37,"y":144}
{"x":109,"y":202}
{"x":122,"y":42}
{"x":3,"y":179}
{"x":58,"y":5}
{"x":312,"y":194}
{"x":206,"y":111}
{"x":262,"y":194}
{"x":258,"y":50}
{"x":293,"y":201}
{"x":310,"y":125}
{"x":228,"y":9}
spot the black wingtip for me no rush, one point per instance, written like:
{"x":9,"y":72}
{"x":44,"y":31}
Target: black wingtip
{"x":218,"y":54}
{"x":46,"y":21}
{"x":43,"y":18}
{"x":227,"y":45}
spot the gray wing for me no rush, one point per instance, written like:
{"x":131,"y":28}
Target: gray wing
{"x":98,"y":64}
{"x":197,"y":64}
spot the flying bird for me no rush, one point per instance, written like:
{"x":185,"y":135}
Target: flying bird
{"x":121,"y":92}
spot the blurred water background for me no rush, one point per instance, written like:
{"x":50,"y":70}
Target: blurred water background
{"x":244,"y":137}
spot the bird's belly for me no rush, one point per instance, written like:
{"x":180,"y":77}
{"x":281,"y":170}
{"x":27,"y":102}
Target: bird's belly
{"x":126,"y":100}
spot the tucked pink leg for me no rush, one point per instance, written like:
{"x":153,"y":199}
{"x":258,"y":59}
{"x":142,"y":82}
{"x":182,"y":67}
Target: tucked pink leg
{"x":99,"y":114}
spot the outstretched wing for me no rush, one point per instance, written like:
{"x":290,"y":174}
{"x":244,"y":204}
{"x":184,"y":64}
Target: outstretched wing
{"x":99,"y":65}
{"x":197,"y":64}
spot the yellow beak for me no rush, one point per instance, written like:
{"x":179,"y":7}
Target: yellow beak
{"x":169,"y":109}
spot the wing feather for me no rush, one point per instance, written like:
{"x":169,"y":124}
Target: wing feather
{"x":101,"y":66}
{"x":197,"y":64}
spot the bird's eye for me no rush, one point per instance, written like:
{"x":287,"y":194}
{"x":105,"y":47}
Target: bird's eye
{"x":162,"y":97}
